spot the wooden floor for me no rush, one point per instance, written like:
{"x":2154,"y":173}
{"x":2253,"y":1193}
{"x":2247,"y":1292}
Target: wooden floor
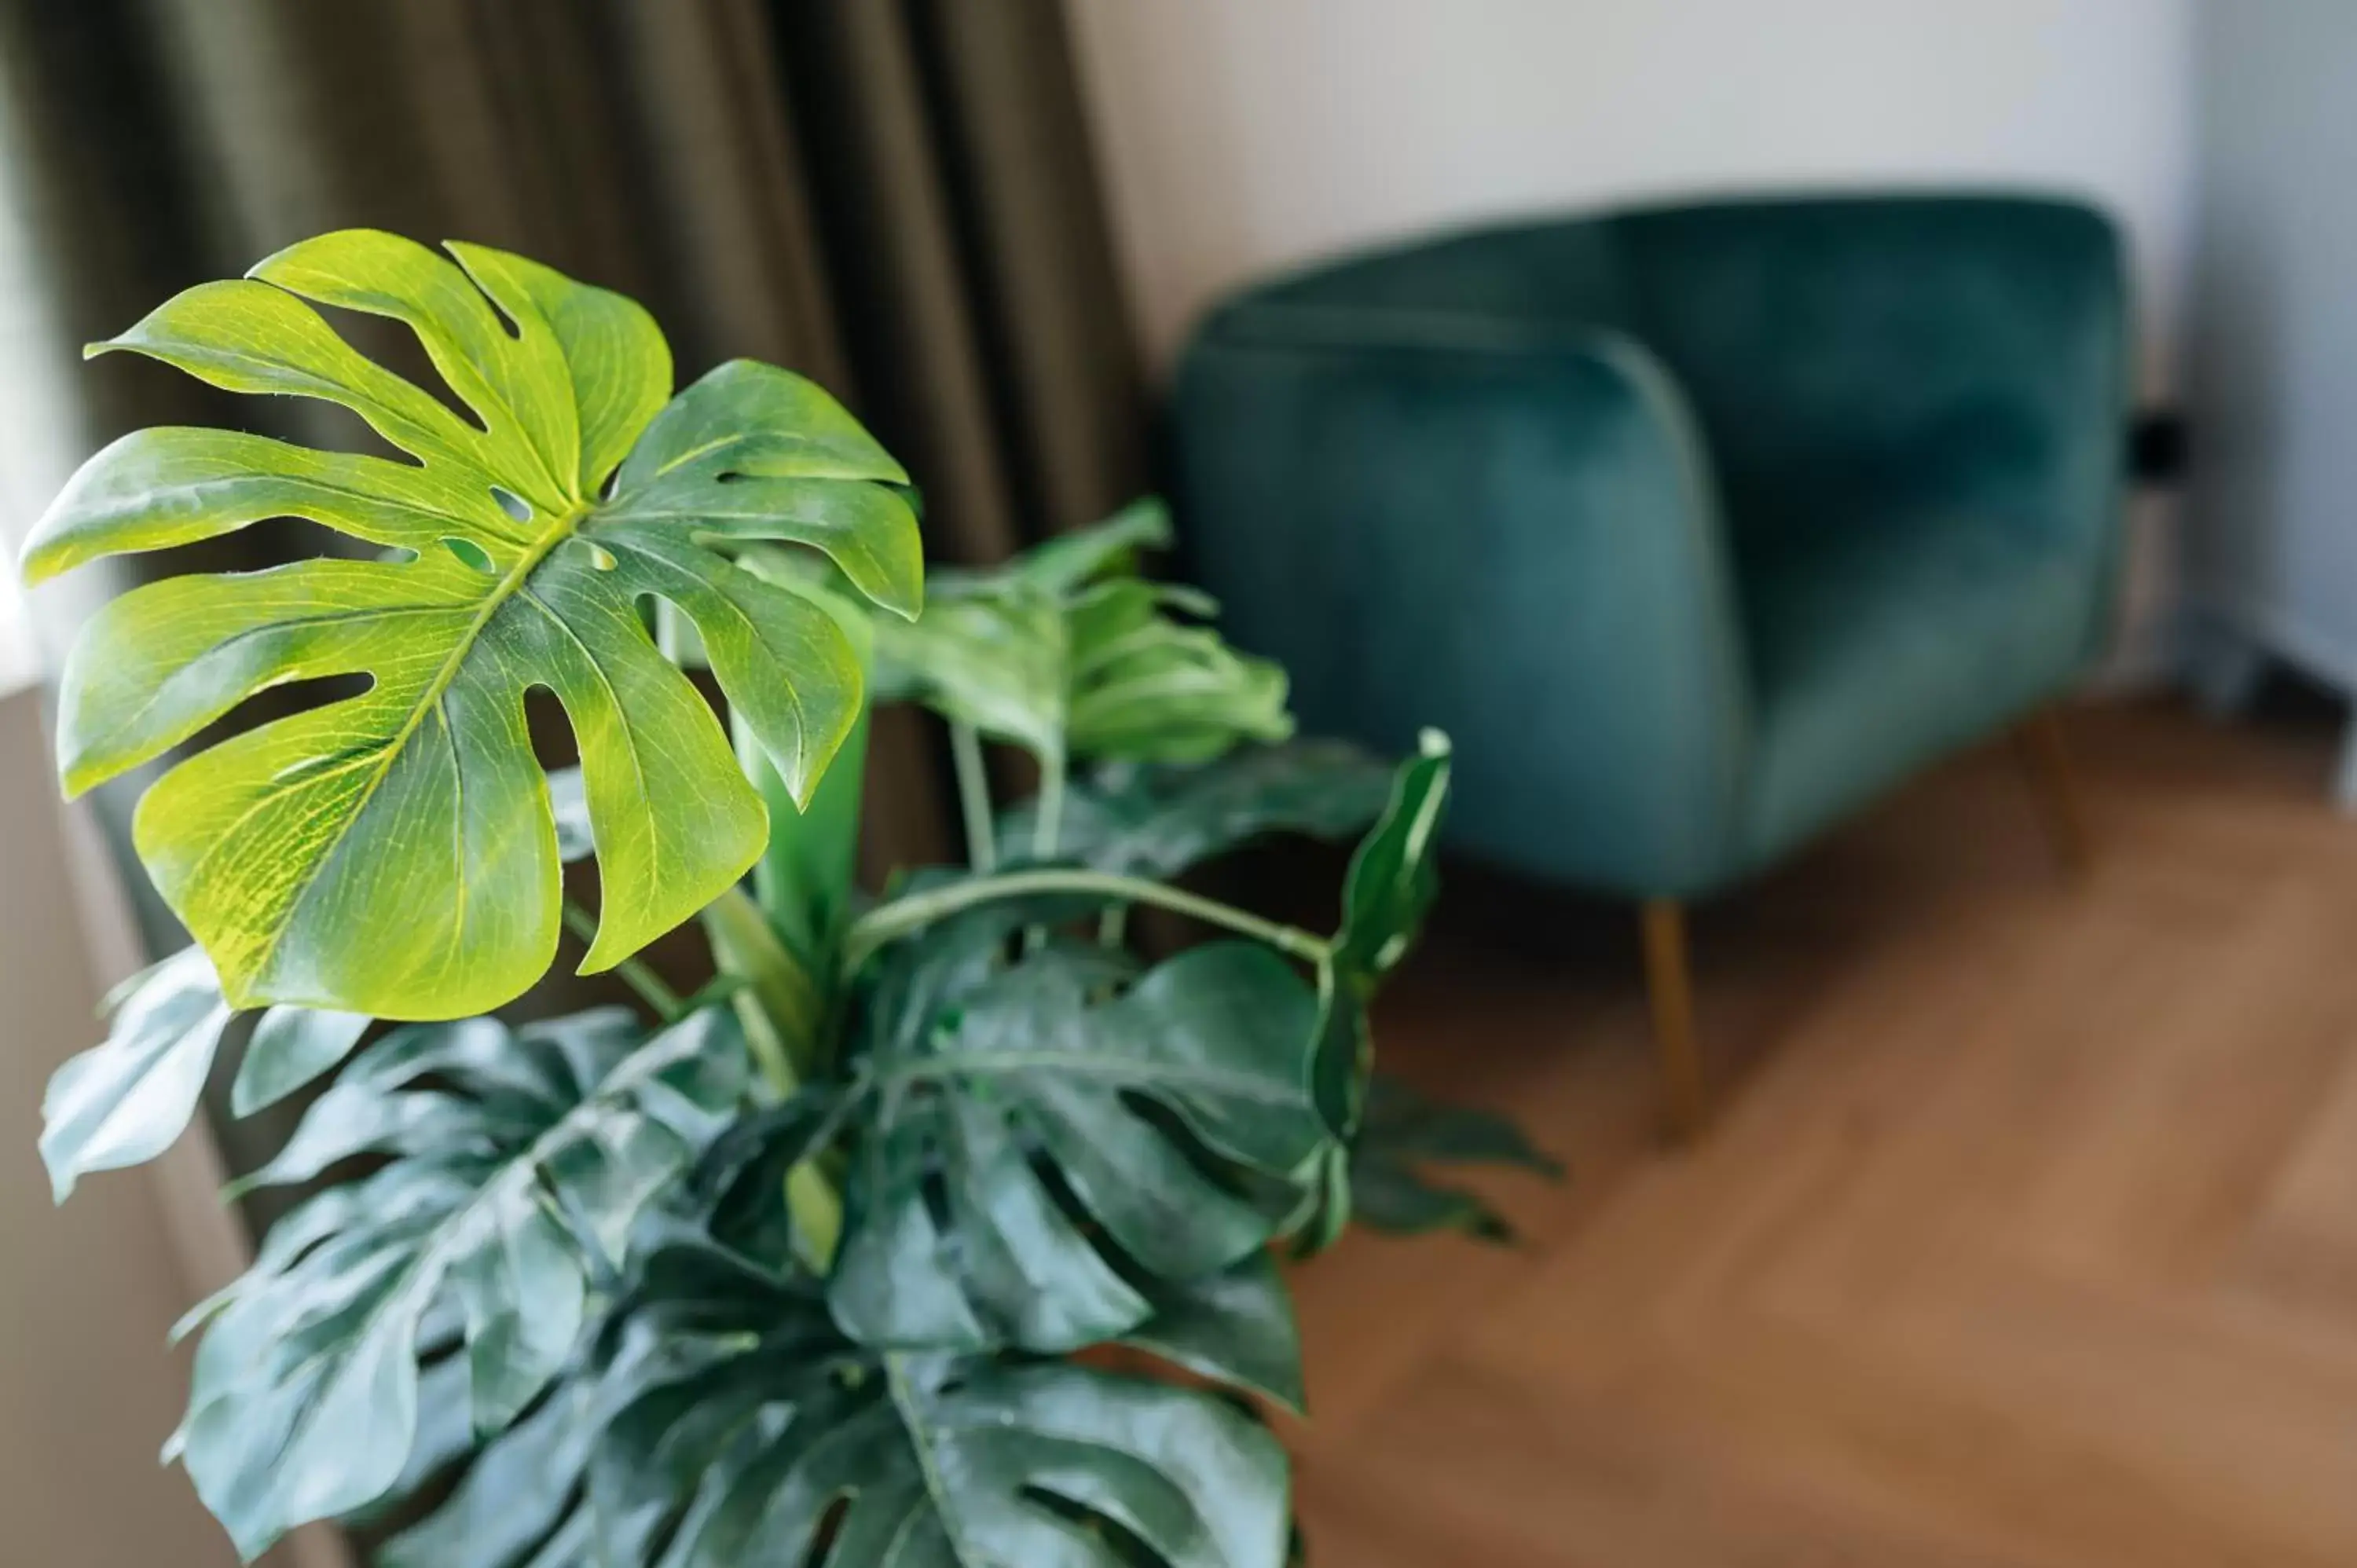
{"x":2026,"y":1234}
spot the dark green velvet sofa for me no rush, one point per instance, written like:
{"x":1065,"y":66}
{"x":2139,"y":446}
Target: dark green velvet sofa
{"x":1698,"y":526}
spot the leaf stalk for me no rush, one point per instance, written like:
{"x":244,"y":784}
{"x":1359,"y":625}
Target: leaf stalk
{"x":904,"y":915}
{"x":633,"y":972}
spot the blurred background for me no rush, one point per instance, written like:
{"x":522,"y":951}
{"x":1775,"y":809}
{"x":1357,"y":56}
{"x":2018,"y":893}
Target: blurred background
{"x":1863,"y":481}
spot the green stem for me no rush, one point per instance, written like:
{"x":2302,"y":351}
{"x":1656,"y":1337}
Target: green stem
{"x":780,"y":1011}
{"x":902,"y":915}
{"x":1049,"y":825}
{"x":973,"y":796}
{"x":633,"y":972}
{"x":782,"y":998}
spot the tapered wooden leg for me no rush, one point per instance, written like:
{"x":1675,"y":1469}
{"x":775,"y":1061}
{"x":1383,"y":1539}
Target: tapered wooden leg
{"x":2038,"y":741}
{"x":1670,"y":983}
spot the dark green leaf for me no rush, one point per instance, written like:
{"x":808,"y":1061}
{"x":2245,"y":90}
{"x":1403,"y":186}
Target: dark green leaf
{"x":1158,"y":821}
{"x":786,"y":1444}
{"x":523,"y":1163}
{"x":1395,"y":873}
{"x":517,"y":1495}
{"x":741,"y":1177}
{"x":1236,"y":1327}
{"x":1393,"y":879}
{"x":1403,"y":1135}
{"x":394,"y":853}
{"x":1032,"y":1138}
{"x":1401,"y":1125}
{"x":1398,"y":1201}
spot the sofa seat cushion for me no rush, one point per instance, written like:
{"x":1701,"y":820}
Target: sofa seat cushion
{"x":1884,"y":644}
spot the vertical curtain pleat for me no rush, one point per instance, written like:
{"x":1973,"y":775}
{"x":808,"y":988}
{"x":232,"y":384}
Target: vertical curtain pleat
{"x":901,"y":294}
{"x":1043,"y":285}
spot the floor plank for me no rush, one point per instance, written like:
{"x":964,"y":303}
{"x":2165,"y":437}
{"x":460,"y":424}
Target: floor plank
{"x":2025,"y":1235}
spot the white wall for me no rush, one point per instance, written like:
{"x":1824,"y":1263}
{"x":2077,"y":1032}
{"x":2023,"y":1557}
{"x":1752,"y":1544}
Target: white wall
{"x":1241,"y":135}
{"x":2273,"y":378}
{"x":89,"y":1387}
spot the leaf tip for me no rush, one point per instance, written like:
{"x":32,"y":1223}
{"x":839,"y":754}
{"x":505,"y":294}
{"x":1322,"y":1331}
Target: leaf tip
{"x":78,"y":777}
{"x":236,"y":992}
{"x":40,"y":560}
{"x":245,"y":1095}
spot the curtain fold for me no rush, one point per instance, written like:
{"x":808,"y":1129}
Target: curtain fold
{"x":895,"y":197}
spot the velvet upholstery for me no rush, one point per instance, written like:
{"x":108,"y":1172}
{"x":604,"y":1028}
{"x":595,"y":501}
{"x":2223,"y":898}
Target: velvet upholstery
{"x":1697,"y":526}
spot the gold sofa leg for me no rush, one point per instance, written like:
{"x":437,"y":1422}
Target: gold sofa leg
{"x":1670,"y":985}
{"x":2037,"y":742}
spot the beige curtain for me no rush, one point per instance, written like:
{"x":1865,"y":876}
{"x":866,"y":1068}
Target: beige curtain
{"x":895,"y":197}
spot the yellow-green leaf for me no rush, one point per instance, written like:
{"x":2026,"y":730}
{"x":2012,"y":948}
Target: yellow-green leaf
{"x":393,"y":852}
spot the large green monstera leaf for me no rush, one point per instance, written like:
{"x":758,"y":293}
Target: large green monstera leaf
{"x":664,"y":1446}
{"x":956,"y":1238}
{"x":762,"y":1436}
{"x":393,"y":852}
{"x":521,"y":1162}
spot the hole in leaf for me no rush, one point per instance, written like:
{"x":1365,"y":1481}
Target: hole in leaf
{"x":599,"y":557}
{"x":829,"y":1531}
{"x":514,"y":504}
{"x":933,"y":1187}
{"x":1269,"y":1194}
{"x":507,"y":324}
{"x":472,"y":553}
{"x":1117,"y":1540}
{"x":396,"y":347}
{"x":550,"y":727}
{"x":277,"y":703}
{"x":1051,"y":1177}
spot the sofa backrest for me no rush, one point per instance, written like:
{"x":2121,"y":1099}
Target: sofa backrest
{"x":1847,"y":355}
{"x":1538,"y":275}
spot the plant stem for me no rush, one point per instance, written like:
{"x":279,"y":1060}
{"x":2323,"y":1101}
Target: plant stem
{"x":914,"y":913}
{"x":1049,"y":825}
{"x":973,"y":796}
{"x":633,"y":972}
{"x":782,"y":997}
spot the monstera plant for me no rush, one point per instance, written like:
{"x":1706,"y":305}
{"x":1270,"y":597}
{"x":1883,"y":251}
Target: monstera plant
{"x":938,"y":1228}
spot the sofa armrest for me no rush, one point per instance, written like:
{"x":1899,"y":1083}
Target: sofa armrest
{"x":1505,"y":530}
